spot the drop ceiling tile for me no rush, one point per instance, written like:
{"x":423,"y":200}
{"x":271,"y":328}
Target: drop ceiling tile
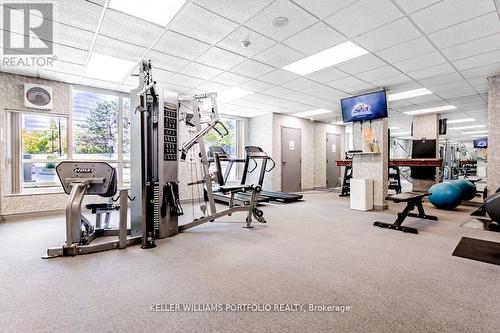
{"x":484,"y":71}
{"x":279,"y":55}
{"x":213,"y":87}
{"x":441,"y":79}
{"x":363,"y":16}
{"x":432,"y":71}
{"x":484,"y":59}
{"x":277,"y":91}
{"x":448,"y":86}
{"x":378,"y":73}
{"x":161,"y":75}
{"x":230,"y":79}
{"x":406,"y":50}
{"x":118,"y":49}
{"x":172,"y":87}
{"x":464,"y":32}
{"x":278,"y":76}
{"x":184,"y":80}
{"x":424,"y":61}
{"x":258,"y":42}
{"x":255,"y":85}
{"x":327,"y":75}
{"x":362,"y":64}
{"x":324,"y":8}
{"x":129,"y":28}
{"x":180,"y":46}
{"x":479,"y":83}
{"x":236,"y":10}
{"x":410,"y":6}
{"x":392,"y":81}
{"x":324,"y":92}
{"x":450,"y":12}
{"x":298,"y":20}
{"x":347,"y":82}
{"x":299,"y":84}
{"x":388,"y":35}
{"x":457,"y":92}
{"x":425,"y":99}
{"x":195,"y":91}
{"x":100,"y":84}
{"x":200,"y":71}
{"x":165,"y":61}
{"x":73,"y":37}
{"x":66,"y":67}
{"x":80,"y":14}
{"x":70,"y":54}
{"x":472,"y":48}
{"x":251,"y":68}
{"x":305,"y":99}
{"x":360,"y":88}
{"x":220,"y":58}
{"x":202,"y":25}
{"x":58,"y":76}
{"x":314,"y":39}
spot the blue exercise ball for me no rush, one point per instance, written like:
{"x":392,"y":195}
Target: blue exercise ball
{"x":445,"y":195}
{"x":467,"y":188}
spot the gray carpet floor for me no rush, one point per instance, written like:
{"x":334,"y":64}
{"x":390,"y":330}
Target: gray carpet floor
{"x":316,"y":251}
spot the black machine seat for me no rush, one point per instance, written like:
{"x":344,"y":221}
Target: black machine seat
{"x":413,"y":200}
{"x":102,"y":206}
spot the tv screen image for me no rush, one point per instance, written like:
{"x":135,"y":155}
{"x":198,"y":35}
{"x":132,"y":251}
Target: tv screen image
{"x":364,"y":107}
{"x":481,"y":143}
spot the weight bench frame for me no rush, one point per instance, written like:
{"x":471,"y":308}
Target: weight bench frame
{"x":411,"y":204}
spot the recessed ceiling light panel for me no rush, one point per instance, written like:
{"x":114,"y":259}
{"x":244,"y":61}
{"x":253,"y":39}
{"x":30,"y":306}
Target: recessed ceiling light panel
{"x":327,"y":58}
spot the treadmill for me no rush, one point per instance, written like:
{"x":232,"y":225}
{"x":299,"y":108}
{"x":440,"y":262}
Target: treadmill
{"x":254,"y":153}
{"x":240,"y":199}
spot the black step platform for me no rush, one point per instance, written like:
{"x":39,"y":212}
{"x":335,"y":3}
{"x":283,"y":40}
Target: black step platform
{"x":413,"y":200}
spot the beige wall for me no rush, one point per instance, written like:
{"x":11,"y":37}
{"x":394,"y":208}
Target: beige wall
{"x":265,"y":131}
{"x":320,"y":131}
{"x":373,"y":166}
{"x":493,"y":171}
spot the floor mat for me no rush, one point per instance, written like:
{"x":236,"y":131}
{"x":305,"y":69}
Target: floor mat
{"x":478,"y":249}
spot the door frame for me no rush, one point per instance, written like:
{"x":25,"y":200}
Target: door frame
{"x":281,"y":157}
{"x":326,"y":157}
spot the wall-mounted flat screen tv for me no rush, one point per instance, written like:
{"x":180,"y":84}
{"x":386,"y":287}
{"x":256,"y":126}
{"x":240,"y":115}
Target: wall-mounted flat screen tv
{"x":364,"y":107}
{"x":481,"y":143}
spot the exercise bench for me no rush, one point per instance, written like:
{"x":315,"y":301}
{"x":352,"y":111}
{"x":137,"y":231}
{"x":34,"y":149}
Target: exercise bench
{"x":412,"y":199}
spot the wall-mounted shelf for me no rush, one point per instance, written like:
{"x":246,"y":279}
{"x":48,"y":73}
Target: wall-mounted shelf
{"x":364,"y":153}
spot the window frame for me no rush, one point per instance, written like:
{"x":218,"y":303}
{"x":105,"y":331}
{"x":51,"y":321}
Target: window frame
{"x":13,"y":131}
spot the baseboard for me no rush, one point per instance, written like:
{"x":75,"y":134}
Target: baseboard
{"x":21,"y":216}
{"x":380,"y":208}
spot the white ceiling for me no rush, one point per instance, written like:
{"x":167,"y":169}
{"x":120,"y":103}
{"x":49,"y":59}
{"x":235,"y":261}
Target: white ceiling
{"x":447,"y":46}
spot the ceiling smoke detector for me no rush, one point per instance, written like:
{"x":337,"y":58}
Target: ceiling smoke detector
{"x":280,"y":22}
{"x":245,"y":43}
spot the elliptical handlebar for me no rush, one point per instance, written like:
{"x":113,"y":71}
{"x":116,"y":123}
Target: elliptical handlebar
{"x":274,"y":164}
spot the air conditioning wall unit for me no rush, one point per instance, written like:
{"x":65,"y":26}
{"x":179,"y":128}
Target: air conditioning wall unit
{"x":37,"y":96}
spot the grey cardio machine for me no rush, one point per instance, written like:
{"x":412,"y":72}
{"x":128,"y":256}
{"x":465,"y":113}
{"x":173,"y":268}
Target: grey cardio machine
{"x":254,"y":153}
{"x":80,"y":179}
{"x":239,"y":199}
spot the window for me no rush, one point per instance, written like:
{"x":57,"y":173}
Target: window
{"x":231,"y":143}
{"x":43,"y":143}
{"x":37,"y":141}
{"x":101,"y":124}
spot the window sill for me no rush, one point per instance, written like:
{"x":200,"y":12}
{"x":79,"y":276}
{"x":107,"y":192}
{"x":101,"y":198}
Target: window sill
{"x":32,"y":193}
